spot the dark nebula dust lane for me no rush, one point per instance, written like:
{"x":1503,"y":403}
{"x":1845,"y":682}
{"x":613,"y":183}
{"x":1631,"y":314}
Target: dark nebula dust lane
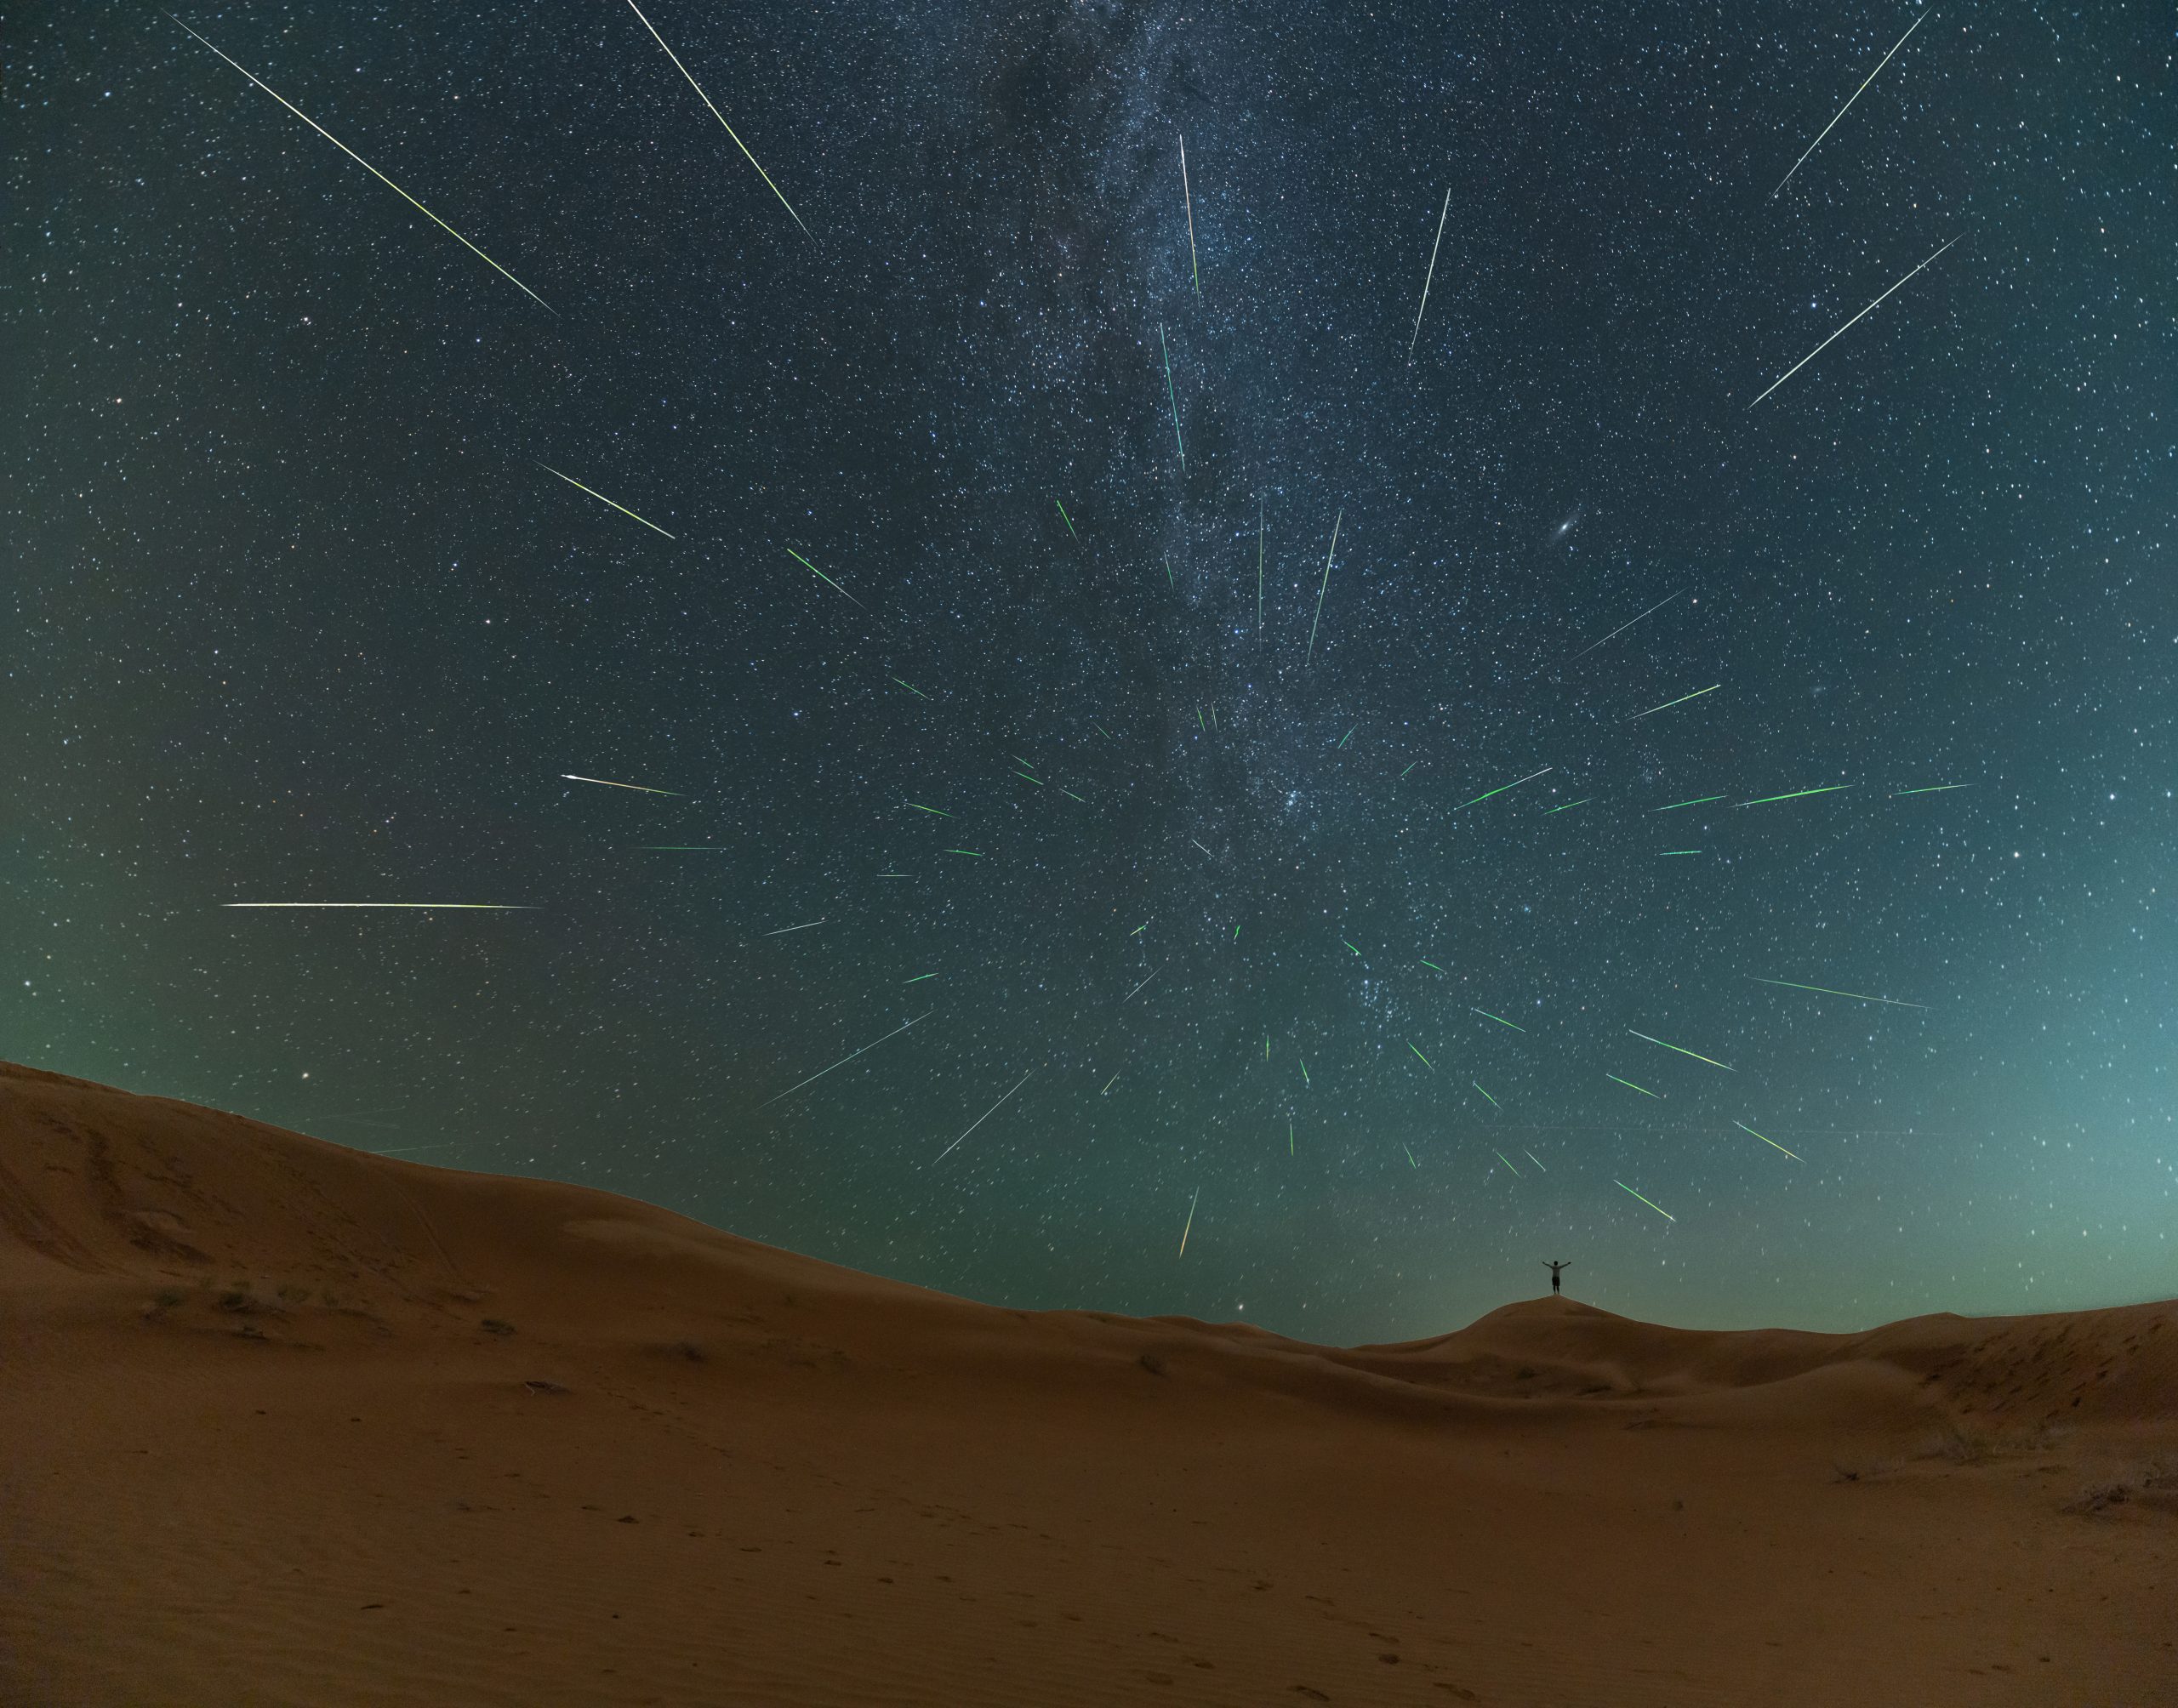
{"x":1161,"y":728}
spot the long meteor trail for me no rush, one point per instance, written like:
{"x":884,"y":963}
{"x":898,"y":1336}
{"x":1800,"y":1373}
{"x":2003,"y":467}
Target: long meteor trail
{"x":1842,"y":331}
{"x":383,"y":179}
{"x":1184,"y":1231}
{"x":983,"y":1116}
{"x":1652,"y":1204}
{"x":1711,"y":1060}
{"x":811,"y":925}
{"x":1320,"y":591}
{"x":1824,"y":990}
{"x":1624,"y":626}
{"x":606,"y":782}
{"x":850,"y":1056}
{"x":1173,"y":397}
{"x":720,"y":117}
{"x":1772,"y":1143}
{"x":603,"y":499}
{"x":1131,"y":995}
{"x":1431,"y":275}
{"x":491,"y":907}
{"x":1503,"y":786}
{"x":1192,"y":265}
{"x":1680,"y":701}
{"x":1850,"y":100}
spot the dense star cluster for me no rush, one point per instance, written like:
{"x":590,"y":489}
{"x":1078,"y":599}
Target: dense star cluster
{"x":1148,"y":751}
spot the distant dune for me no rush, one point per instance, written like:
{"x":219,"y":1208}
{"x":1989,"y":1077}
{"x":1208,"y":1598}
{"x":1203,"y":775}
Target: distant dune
{"x":290,"y":1423}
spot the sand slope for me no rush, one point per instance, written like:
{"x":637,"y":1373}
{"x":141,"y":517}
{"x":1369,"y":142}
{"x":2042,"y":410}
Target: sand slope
{"x":291,"y":1423}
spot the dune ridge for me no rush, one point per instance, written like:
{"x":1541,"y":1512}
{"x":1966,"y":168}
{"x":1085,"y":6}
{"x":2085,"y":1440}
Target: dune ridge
{"x":370,"y":1400}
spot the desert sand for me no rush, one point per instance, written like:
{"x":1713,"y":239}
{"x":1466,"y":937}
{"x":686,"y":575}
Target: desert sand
{"x":290,"y":1423}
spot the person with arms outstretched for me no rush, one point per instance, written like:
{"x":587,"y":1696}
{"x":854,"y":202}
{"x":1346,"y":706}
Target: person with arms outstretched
{"x":1554,"y":1268}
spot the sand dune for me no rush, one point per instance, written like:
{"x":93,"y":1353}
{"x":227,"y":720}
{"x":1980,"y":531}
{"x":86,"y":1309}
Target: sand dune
{"x":291,"y":1423}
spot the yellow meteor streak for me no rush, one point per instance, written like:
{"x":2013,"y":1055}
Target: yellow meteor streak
{"x":720,"y":116}
{"x":383,"y":179}
{"x":1184,"y":1231}
{"x":1850,"y":100}
{"x":603,"y":499}
{"x":1772,"y":1143}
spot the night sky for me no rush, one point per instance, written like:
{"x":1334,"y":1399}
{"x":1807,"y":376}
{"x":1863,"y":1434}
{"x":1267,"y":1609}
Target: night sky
{"x":301,"y":613}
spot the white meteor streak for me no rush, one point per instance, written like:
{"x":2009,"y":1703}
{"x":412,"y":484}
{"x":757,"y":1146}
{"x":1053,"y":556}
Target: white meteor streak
{"x":491,"y":907}
{"x":720,"y":116}
{"x":605,"y":783}
{"x":1192,"y":265}
{"x":983,"y":1116}
{"x":848,"y":1057}
{"x":1850,"y":99}
{"x":783,"y":930}
{"x":1623,"y":627}
{"x":1841,"y":332}
{"x":1325,"y":588}
{"x":1130,"y":996}
{"x":1432,"y":274}
{"x":383,"y":179}
{"x":1184,"y":1231}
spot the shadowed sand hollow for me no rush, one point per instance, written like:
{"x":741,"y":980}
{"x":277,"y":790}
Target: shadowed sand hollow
{"x":290,"y":1423}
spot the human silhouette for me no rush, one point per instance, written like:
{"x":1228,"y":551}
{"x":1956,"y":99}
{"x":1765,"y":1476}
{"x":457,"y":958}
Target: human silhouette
{"x":1554,"y":1268}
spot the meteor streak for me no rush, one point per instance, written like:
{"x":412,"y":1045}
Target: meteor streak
{"x":1499,"y":1018}
{"x":824,"y":577}
{"x":1680,"y":701}
{"x":491,"y":907}
{"x":1494,"y":1103}
{"x":1184,"y":1231}
{"x":1174,"y":398}
{"x":1189,"y":195}
{"x":1631,"y":1086}
{"x":1432,"y":273}
{"x":1510,"y":1169}
{"x":1658,"y":1208}
{"x":1533,"y":1157}
{"x":1850,"y":100}
{"x":720,"y":117}
{"x":1065,"y":518}
{"x":607,"y":783}
{"x":1570,"y":805}
{"x":383,"y":179}
{"x":1711,"y":1060}
{"x":1841,"y":332}
{"x":1828,"y":788}
{"x":1698,"y":800}
{"x":1623,"y":627}
{"x":844,"y":1060}
{"x":983,"y":1116}
{"x":1826,"y":991}
{"x":937,"y":811}
{"x":783,"y":930}
{"x":1933,"y":788}
{"x":603,"y":499}
{"x":1772,"y":1143}
{"x":912,"y":689}
{"x":1423,"y":1060}
{"x":1131,"y":995}
{"x":1503,"y":786}
{"x":1320,"y":591}
{"x":1259,"y":527}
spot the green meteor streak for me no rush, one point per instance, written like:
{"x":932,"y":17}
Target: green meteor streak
{"x":1658,"y":1208}
{"x":1631,"y":1086}
{"x":1570,"y":806}
{"x":1680,"y":701}
{"x":389,"y":183}
{"x":1826,"y":991}
{"x":918,"y":979}
{"x":825,"y":579}
{"x":1065,"y":518}
{"x":1349,"y":946}
{"x":1320,"y":591}
{"x":1711,"y":1061}
{"x":1070,"y":794}
{"x":1289,"y":1138}
{"x":1499,"y":1018}
{"x":938,"y":810}
{"x":1169,"y":580}
{"x":1409,"y":1149}
{"x":1830,"y":788}
{"x":1266,"y":1046}
{"x":1139,"y":928}
{"x":1236,"y":934}
{"x":1108,"y":1084}
{"x":1508,"y":1161}
{"x":912,"y":689}
{"x":1772,"y":1143}
{"x":1258,"y":565}
{"x":484,"y":906}
{"x":1173,"y":396}
{"x":1933,"y":788}
{"x":720,"y":117}
{"x":1102,"y":731}
{"x":972,"y":853}
{"x":1698,"y":800}
{"x":1198,"y":723}
{"x":1402,"y":774}
{"x":1503,"y":786}
{"x":1494,"y":1103}
{"x":1038,"y":781}
{"x":1423,"y":1060}
{"x":603,"y":499}
{"x":1348,"y":736}
{"x":1431,"y":966}
{"x":1305,"y":1079}
{"x":1672,"y":853}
